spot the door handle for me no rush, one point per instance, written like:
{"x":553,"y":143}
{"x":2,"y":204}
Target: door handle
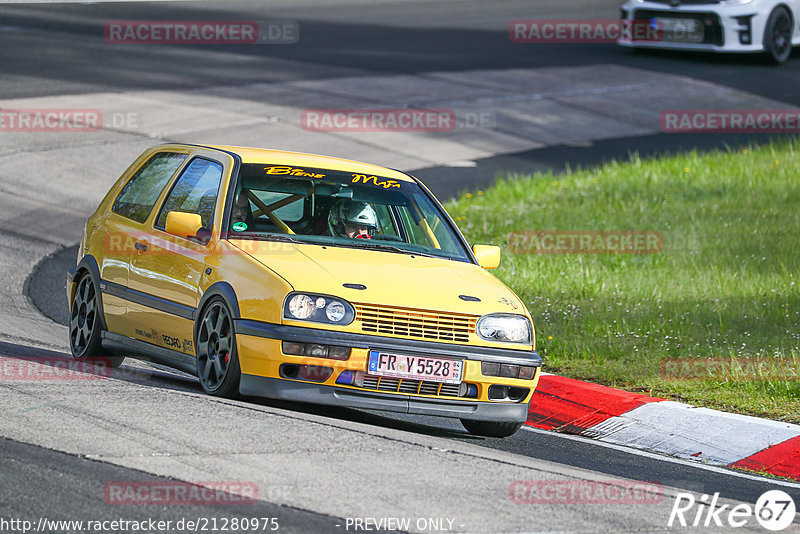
{"x":141,"y":247}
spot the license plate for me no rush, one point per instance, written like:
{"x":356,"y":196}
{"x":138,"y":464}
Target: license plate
{"x":414,"y":367}
{"x":680,"y":30}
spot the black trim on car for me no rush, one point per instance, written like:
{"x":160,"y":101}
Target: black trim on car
{"x":157,"y":303}
{"x":226,"y":292}
{"x":146,"y":351}
{"x":276,"y":388}
{"x":301,"y":334}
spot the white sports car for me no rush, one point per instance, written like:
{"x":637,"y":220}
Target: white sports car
{"x":766,"y":26}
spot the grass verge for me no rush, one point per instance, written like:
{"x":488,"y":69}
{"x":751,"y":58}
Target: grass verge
{"x":721,"y":300}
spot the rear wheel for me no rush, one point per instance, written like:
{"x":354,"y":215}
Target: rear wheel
{"x":217,"y":361}
{"x":491,"y":429}
{"x":84,"y":324}
{"x":778,"y":36}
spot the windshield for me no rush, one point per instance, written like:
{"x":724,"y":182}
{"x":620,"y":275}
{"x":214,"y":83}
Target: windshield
{"x":322,"y":206}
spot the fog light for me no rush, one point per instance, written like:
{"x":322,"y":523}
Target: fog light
{"x":359,"y":379}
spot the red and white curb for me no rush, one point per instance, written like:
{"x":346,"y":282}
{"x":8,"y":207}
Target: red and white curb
{"x":658,"y":425}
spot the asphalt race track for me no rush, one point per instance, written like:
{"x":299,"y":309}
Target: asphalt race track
{"x":63,"y":443}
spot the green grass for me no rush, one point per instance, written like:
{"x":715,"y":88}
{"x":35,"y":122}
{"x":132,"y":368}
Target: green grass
{"x":725,"y":285}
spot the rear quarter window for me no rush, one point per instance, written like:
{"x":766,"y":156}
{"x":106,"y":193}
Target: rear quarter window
{"x":139,"y":195}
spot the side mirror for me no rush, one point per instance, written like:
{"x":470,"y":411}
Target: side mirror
{"x":185,"y":225}
{"x":488,"y":256}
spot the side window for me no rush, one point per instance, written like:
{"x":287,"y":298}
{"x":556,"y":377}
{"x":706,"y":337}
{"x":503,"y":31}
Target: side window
{"x":416,"y":236}
{"x":422,"y":218}
{"x":195,"y":192}
{"x":385,"y":220}
{"x":139,"y":195}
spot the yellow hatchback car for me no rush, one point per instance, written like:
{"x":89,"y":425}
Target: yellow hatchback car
{"x":305,"y":278}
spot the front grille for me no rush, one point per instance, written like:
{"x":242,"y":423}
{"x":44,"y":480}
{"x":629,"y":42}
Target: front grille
{"x":421,"y":387}
{"x":409,"y":322}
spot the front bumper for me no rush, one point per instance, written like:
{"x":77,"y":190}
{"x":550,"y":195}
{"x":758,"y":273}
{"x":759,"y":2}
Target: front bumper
{"x":291,"y":390}
{"x":726,"y":28}
{"x":264,"y":364}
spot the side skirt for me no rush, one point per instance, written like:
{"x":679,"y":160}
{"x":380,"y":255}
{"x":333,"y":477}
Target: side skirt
{"x":145,"y":351}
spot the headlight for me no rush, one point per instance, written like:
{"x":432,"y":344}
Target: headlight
{"x":505,"y":328}
{"x":318,"y":308}
{"x":301,"y":307}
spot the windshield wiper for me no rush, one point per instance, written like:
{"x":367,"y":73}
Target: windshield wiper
{"x":359,"y":243}
{"x":385,"y":248}
{"x":270,"y":237}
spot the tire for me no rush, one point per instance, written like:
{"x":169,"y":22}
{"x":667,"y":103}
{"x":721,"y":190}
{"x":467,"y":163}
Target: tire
{"x":215,"y":345}
{"x":778,"y":36}
{"x":491,"y":429}
{"x":85,"y":325}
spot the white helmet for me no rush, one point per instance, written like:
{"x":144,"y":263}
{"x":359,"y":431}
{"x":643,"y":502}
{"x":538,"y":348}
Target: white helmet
{"x":351,"y":212}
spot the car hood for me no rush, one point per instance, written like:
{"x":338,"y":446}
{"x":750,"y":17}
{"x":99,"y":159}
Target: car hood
{"x":390,"y":278}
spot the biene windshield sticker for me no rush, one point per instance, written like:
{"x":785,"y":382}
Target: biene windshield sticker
{"x":291,"y":171}
{"x":239,"y":227}
{"x":374,"y":180}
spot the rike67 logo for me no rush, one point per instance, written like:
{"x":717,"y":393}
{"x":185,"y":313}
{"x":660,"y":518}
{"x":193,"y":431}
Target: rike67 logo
{"x":774,"y":510}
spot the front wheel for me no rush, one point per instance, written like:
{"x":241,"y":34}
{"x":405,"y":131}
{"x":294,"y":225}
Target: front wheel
{"x":217,"y":360}
{"x":491,"y":429}
{"x":778,"y":36}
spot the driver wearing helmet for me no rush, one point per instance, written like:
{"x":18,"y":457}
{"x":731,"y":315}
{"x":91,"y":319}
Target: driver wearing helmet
{"x":354,"y":219}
